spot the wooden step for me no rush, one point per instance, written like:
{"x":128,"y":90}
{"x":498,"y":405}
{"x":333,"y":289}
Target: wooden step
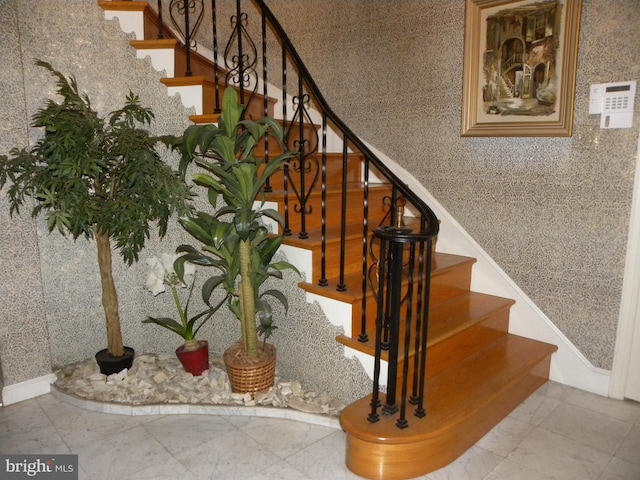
{"x":466,"y":394}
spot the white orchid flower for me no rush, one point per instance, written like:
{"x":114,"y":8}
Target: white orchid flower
{"x":161,"y":273}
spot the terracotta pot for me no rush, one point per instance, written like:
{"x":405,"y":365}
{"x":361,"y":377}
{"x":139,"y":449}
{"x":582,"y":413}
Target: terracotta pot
{"x":109,"y":364}
{"x":194,"y":361}
{"x":247,"y":375}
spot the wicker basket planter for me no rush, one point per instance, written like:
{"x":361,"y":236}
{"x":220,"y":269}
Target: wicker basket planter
{"x":250,"y":376}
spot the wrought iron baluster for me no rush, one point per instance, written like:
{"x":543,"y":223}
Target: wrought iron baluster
{"x":216,"y":73}
{"x":380,"y":320}
{"x":160,"y":21}
{"x":323,"y":203}
{"x":287,"y":224}
{"x":187,"y":8}
{"x":342,"y":287}
{"x":402,"y":420}
{"x":241,"y":57}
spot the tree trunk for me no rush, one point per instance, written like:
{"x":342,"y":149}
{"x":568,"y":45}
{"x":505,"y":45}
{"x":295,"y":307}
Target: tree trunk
{"x":249,"y":331}
{"x":109,"y":295}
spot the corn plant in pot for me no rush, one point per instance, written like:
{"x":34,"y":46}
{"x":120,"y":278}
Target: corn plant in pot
{"x":98,"y":178}
{"x":234,"y":240}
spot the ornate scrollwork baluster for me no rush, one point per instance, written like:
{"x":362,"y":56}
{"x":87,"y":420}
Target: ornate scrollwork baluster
{"x":304,"y":170}
{"x":192,"y":11}
{"x":241,"y":58}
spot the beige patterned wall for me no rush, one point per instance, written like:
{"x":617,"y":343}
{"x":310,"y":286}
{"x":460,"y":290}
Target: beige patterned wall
{"x":552,"y":212}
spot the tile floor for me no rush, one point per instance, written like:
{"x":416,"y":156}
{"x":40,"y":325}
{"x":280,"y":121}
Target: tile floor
{"x":558,"y":433}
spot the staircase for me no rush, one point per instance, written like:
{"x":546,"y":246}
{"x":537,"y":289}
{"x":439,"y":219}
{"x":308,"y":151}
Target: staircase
{"x":476,"y":372}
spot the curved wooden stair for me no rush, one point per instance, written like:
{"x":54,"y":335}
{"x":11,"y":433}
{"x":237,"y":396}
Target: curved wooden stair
{"x":476,"y":371}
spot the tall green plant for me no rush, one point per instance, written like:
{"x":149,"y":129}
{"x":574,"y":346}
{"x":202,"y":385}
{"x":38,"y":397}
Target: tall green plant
{"x":234,"y":239}
{"x":98,"y":178}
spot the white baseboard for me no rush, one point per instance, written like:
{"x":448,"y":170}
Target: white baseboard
{"x":28,"y":389}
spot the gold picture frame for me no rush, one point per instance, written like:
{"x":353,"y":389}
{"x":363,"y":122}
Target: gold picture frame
{"x":520,"y":67}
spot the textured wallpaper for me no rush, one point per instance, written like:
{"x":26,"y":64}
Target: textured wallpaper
{"x":50,"y":307}
{"x":552,"y":212}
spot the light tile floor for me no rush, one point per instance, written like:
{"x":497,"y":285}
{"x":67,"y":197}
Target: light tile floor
{"x":558,"y":433}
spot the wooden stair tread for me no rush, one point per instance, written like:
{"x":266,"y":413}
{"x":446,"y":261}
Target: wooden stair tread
{"x":455,"y":394}
{"x":446,"y":320}
{"x":123,"y":5}
{"x":154,"y":44}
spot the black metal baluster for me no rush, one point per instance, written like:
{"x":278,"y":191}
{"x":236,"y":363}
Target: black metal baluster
{"x":302,"y":143}
{"x":287,"y":225}
{"x":402,"y":420}
{"x":216,"y":73}
{"x":187,"y":38}
{"x":239,"y":17}
{"x":363,"y":336}
{"x":395,"y":285}
{"x":420,"y":411}
{"x":380,"y":320}
{"x":323,"y":213}
{"x":342,"y":287}
{"x":413,"y":399}
{"x":160,"y":22}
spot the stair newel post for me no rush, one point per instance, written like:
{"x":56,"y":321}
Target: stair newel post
{"x":363,"y":336}
{"x":395,"y":297}
{"x":323,"y":206}
{"x":160,"y":22}
{"x":216,"y":74}
{"x":342,"y":287}
{"x":380,"y":322}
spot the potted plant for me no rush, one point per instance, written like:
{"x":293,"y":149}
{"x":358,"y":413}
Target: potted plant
{"x":100,"y":178}
{"x":234,"y":239}
{"x":193,"y":354}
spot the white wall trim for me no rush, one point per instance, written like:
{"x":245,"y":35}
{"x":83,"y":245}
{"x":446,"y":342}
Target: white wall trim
{"x":629,"y":304}
{"x":28,"y":389}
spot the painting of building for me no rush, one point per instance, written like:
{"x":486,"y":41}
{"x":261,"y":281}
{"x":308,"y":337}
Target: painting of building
{"x":521,"y":63}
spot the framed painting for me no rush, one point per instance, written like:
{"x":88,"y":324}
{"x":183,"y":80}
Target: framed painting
{"x":519,"y":67}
